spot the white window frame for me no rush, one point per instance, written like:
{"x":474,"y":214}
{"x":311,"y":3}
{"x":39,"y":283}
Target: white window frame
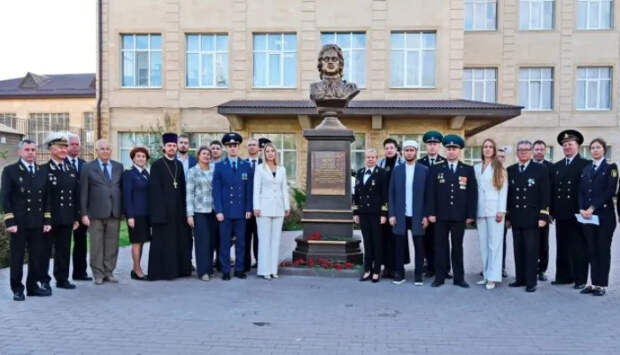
{"x":217,"y":53}
{"x":8,"y":119}
{"x":589,"y":4}
{"x":149,"y":51}
{"x":598,"y":81}
{"x":415,"y":51}
{"x":153,"y":142}
{"x":40,"y":124}
{"x":472,"y":155}
{"x":530,"y":6}
{"x":359,"y":136}
{"x":476,"y":25}
{"x":205,"y":138}
{"x":402,"y":137}
{"x":291,"y":176}
{"x":489,"y":77}
{"x":349,"y":52}
{"x":531,"y":80}
{"x":269,"y":52}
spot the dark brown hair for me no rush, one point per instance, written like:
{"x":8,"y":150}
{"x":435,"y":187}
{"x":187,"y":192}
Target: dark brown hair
{"x":600,"y":141}
{"x":498,"y":169}
{"x":135,"y":150}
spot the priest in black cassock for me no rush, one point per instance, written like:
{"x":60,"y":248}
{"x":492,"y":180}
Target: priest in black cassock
{"x":169,"y":252}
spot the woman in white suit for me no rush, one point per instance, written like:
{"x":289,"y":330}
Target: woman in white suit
{"x":271,"y":205}
{"x":492,"y":193}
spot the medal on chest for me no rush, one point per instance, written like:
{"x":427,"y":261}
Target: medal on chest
{"x":463,"y":182}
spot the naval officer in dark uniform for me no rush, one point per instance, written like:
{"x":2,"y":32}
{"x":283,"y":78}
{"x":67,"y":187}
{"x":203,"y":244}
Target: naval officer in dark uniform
{"x":539,"y":151}
{"x":370,"y":212}
{"x":432,"y":140}
{"x":452,"y":204}
{"x":571,"y":260}
{"x":599,"y":181}
{"x":528,"y":211}
{"x":26,"y":216}
{"x":63,"y":197}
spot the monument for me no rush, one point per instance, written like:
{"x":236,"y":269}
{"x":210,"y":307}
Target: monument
{"x":327,"y":217}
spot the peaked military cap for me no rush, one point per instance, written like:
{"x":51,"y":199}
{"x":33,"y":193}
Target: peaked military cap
{"x":570,"y":135}
{"x":56,"y":138}
{"x":232,"y":138}
{"x":432,"y":136}
{"x":453,"y":140}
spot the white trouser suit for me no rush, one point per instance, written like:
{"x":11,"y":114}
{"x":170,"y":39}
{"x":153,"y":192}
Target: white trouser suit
{"x":271,"y":198}
{"x":491,"y":201}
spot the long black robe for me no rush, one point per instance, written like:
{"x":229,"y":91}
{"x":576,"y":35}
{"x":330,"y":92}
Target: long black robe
{"x":169,"y":254}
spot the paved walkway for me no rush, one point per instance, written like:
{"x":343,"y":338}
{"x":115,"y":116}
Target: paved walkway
{"x":311,"y":315}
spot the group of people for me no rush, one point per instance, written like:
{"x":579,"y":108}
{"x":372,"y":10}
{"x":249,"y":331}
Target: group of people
{"x":435,"y":198}
{"x":207,"y":202}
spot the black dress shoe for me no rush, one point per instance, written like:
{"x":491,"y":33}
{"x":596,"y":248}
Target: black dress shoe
{"x":135,"y":276}
{"x":240,"y":275}
{"x":449,"y":276}
{"x":579,"y":286}
{"x":599,"y":292}
{"x":39,"y":292}
{"x":504,"y":273}
{"x":82,"y":278}
{"x":377,"y":279}
{"x":437,"y":283}
{"x":19,"y":296}
{"x":65,"y":284}
{"x":254,"y":266}
{"x":46,"y":286}
{"x":587,"y":290}
{"x":226,"y":277}
{"x":542,"y":276}
{"x":365,"y":278}
{"x":516,"y":284}
{"x":480,"y":273}
{"x":461,"y":283}
{"x":530,"y":289}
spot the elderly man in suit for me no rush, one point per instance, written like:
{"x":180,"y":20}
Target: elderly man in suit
{"x":100,"y":200}
{"x":406,"y":209}
{"x":79,"y":235}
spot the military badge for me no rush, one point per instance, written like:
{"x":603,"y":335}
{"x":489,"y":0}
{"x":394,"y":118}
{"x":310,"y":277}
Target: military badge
{"x":372,"y":182}
{"x":614,"y":173}
{"x":20,"y":179}
{"x":244,"y":176}
{"x":462,"y":182}
{"x":530,"y":182}
{"x":441,"y":178}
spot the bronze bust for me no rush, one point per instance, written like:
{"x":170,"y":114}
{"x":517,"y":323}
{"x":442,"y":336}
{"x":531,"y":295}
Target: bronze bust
{"x":331,"y":88}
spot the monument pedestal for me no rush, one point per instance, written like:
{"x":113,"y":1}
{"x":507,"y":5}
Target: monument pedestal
{"x":328,"y":199}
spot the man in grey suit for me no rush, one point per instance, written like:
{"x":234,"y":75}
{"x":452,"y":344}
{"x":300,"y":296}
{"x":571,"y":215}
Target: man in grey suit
{"x":100,"y":198}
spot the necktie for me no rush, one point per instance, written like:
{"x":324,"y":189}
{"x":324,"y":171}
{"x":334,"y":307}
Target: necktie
{"x":595,"y":166}
{"x":145,"y":174}
{"x":74,"y":162}
{"x":60,"y":167}
{"x":234,"y":166}
{"x":567,"y":161}
{"x":31,"y":170}
{"x":253,"y":163}
{"x":521,"y":168}
{"x":367,"y":175}
{"x":432,"y":161}
{"x":453,"y":168}
{"x":105,"y":172}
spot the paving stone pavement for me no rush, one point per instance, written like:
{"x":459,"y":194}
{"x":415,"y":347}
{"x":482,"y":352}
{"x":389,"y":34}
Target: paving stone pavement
{"x":318,"y":315}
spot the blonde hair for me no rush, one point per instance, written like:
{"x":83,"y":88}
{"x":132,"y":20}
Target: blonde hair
{"x":275,"y":158}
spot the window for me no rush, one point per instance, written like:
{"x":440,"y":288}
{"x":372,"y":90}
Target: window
{"x":128,"y":140}
{"x":206,"y":60}
{"x":536,"y":14}
{"x":594,"y":14}
{"x":141,"y":60}
{"x":358,"y":151}
{"x":480,"y":84}
{"x":584,"y":150}
{"x":285,"y":143}
{"x":480,"y":15}
{"x":8,"y":119}
{"x":88,"y":136}
{"x":472,"y":155}
{"x":41,"y":124}
{"x":275,"y":60}
{"x":536,"y":88}
{"x":594,"y":88}
{"x":400,"y":138}
{"x":353,"y":46}
{"x":549,"y":153}
{"x":205,"y":138}
{"x":413,"y":59}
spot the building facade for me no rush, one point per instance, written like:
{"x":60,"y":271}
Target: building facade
{"x":35,"y":105}
{"x":207,"y":67}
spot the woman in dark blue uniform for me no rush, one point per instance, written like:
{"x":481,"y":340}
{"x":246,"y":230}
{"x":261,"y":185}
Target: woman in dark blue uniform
{"x":598,"y":185}
{"x":135,"y":201}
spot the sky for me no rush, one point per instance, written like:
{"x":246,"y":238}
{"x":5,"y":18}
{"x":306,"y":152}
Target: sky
{"x":47,"y":37}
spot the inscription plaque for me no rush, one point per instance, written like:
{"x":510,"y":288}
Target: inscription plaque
{"x":328,"y":173}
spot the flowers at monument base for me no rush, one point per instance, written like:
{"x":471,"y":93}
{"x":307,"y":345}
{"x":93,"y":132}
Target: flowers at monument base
{"x":318,"y":263}
{"x":314,"y":236}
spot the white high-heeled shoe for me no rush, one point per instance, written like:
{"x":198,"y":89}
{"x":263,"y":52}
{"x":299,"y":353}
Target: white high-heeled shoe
{"x":490,"y":285}
{"x":481,"y":282}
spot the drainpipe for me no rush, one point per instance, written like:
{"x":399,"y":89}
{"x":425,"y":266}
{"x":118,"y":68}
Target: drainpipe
{"x":99,"y":64}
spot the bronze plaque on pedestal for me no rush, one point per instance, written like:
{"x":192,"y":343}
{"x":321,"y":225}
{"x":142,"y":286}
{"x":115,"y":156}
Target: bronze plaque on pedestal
{"x":328,"y":173}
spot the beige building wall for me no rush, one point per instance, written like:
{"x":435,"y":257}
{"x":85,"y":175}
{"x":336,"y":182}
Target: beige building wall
{"x":75,"y":107}
{"x":507,"y":49}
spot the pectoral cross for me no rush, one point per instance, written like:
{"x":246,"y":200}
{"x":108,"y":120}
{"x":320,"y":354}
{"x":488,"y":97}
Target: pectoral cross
{"x":174,"y":184}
